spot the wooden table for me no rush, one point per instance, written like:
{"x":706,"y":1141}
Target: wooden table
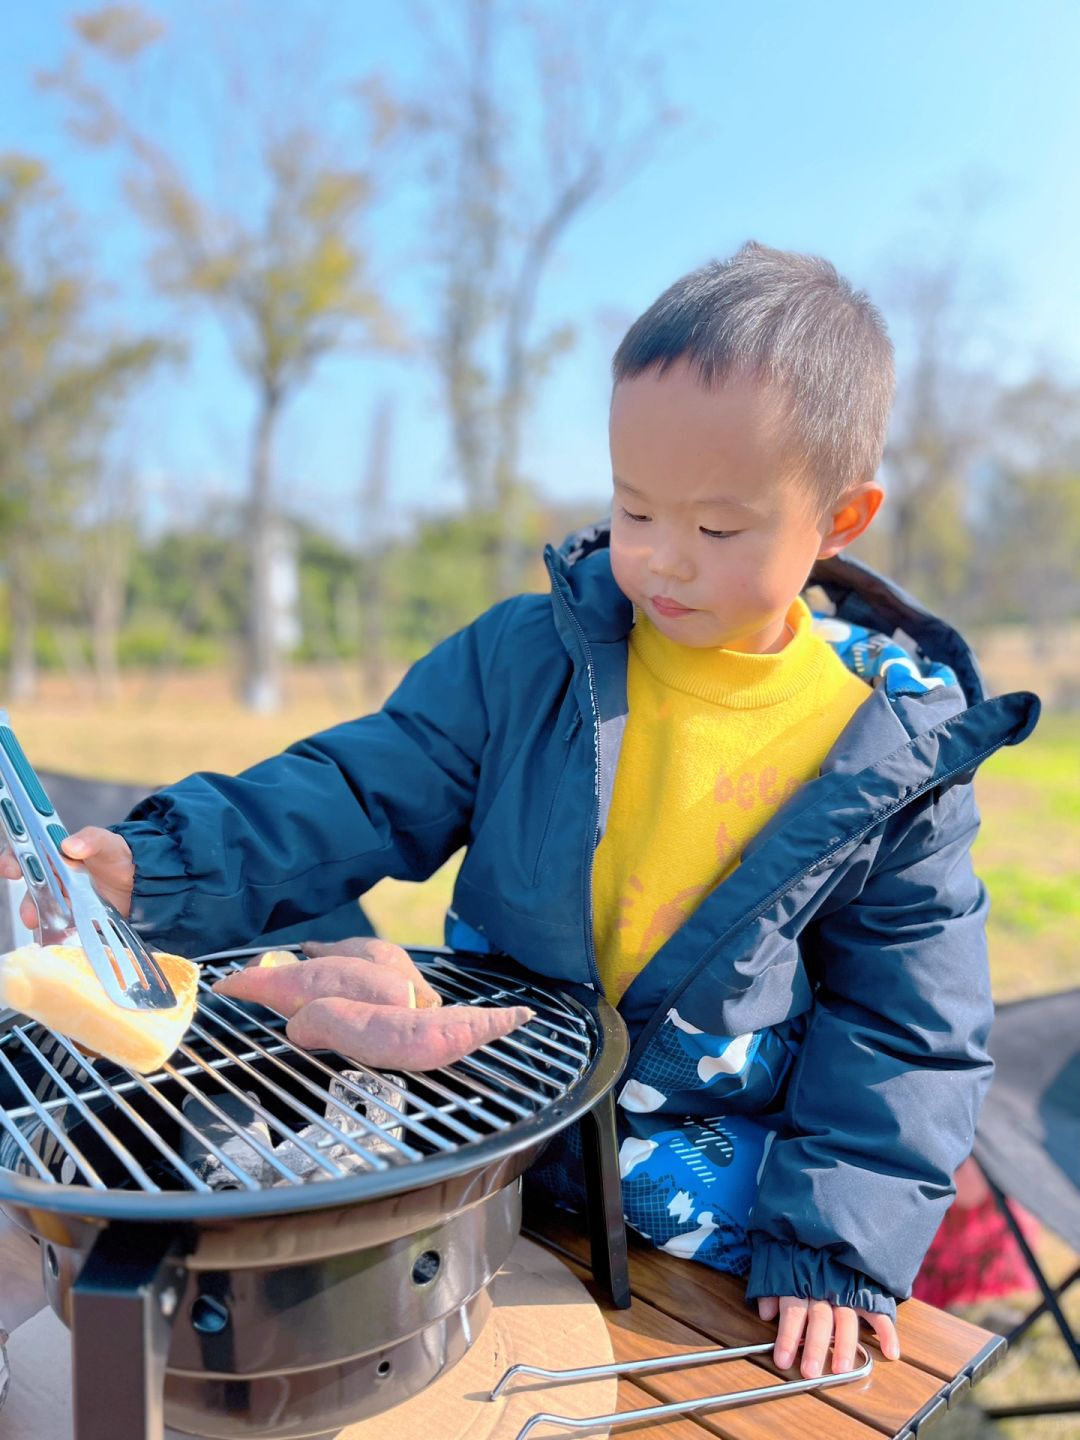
{"x":679,"y":1305}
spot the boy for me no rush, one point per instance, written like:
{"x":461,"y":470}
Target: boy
{"x":752,"y":833}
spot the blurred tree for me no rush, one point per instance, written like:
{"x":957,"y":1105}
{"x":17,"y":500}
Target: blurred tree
{"x":508,"y":170}
{"x":190,"y":583}
{"x":1029,"y":528}
{"x":939,"y":303}
{"x":940,"y":426}
{"x":109,"y":544}
{"x":437,"y":580}
{"x":328,"y":583}
{"x":60,"y":380}
{"x":1031,"y":541}
{"x":278,"y":261}
{"x":373,"y":542}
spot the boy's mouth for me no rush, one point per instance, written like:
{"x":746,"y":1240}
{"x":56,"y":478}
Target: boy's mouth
{"x":670,"y":608}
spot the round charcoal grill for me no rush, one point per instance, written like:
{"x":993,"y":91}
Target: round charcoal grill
{"x":258,"y":1240}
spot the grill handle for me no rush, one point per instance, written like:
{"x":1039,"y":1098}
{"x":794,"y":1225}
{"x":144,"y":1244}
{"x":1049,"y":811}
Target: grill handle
{"x":122,"y":1307}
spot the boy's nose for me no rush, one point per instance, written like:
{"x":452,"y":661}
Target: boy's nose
{"x":668,"y":562}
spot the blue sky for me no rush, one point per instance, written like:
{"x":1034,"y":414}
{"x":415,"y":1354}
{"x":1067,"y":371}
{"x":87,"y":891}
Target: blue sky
{"x":816,"y":126}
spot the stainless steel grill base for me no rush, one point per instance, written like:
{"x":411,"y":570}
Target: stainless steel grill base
{"x":288,"y":1310}
{"x":283,"y":1405}
{"x":365,"y":1329}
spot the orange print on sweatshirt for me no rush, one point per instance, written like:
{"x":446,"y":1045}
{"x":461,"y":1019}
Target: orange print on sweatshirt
{"x":751,"y":790}
{"x":667,"y":919}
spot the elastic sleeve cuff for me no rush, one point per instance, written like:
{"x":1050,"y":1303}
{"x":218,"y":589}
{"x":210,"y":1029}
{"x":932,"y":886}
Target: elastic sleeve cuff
{"x":162,"y":893}
{"x":777,"y":1268}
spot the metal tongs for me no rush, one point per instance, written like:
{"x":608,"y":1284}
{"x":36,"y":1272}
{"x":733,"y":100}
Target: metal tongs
{"x":68,"y":906}
{"x":676,"y":1407}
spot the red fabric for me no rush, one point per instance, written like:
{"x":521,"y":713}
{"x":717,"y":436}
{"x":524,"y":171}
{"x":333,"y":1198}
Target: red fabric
{"x":974,"y":1255}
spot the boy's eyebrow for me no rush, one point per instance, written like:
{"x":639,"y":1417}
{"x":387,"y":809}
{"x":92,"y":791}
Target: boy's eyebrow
{"x":728,"y":501}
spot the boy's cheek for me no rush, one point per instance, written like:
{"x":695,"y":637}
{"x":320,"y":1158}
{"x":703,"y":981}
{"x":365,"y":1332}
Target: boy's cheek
{"x":622,"y":571}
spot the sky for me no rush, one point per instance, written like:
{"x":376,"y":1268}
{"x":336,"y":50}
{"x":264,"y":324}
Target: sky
{"x":827,"y":126}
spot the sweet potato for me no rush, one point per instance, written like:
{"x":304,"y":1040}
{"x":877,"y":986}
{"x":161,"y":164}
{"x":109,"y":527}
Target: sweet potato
{"x":288,"y":988}
{"x":401,"y":1039}
{"x":379,"y":952}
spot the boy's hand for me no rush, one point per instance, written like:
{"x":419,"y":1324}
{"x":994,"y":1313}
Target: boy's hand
{"x":107,"y":859}
{"x":819,"y":1318}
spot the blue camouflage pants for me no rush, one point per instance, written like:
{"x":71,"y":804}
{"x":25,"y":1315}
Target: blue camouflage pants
{"x":688,"y":1185}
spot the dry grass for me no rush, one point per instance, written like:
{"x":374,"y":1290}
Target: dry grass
{"x":163,"y":727}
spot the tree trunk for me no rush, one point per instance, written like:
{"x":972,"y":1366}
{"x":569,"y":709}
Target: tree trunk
{"x":22,"y":678}
{"x":107,"y":605}
{"x":905,"y":539}
{"x":373,"y":511}
{"x":262,"y":685}
{"x":513,"y":391}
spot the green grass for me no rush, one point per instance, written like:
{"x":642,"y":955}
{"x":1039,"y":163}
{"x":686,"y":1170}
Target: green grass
{"x":1030,"y":903}
{"x":1048,"y":757}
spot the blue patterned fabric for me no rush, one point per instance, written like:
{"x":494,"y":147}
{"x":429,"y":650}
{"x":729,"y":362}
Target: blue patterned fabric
{"x":688,"y":1185}
{"x":878,"y":660}
{"x":689,"y":1188}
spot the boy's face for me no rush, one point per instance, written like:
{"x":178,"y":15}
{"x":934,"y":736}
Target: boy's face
{"x":712,"y":535}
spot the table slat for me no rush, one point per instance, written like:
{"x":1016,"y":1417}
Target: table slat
{"x":631,"y":1398}
{"x":939,"y":1342}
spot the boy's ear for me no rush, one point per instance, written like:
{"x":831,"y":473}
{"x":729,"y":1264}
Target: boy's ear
{"x":849,"y":517}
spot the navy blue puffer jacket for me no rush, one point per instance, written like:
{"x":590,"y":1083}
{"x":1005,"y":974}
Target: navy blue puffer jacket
{"x":853,"y":922}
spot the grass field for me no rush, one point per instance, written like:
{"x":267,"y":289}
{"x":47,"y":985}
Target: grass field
{"x":1028,"y":853}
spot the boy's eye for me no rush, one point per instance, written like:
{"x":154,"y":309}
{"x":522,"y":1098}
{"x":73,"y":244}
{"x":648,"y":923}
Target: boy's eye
{"x":718,"y":534}
{"x":627,"y":515}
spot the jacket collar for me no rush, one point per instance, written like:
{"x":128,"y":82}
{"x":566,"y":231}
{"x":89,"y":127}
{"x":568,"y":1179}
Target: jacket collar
{"x":580,"y":572}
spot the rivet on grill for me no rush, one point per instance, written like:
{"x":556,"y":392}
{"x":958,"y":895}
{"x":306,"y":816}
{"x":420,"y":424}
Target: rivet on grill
{"x":168,"y":1302}
{"x":426,"y":1267}
{"x":382,"y":1370}
{"x":209,"y":1316}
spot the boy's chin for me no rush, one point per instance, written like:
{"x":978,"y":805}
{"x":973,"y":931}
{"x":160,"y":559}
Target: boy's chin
{"x":697,"y":631}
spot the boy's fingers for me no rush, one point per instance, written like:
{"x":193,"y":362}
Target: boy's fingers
{"x":885,"y":1331}
{"x":10,"y":870}
{"x":89,"y":841}
{"x":845,"y":1337}
{"x":768,"y":1307}
{"x":819,"y":1328}
{"x":792,"y":1320}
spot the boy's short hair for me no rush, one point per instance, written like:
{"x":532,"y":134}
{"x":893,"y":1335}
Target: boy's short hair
{"x":793,"y":322}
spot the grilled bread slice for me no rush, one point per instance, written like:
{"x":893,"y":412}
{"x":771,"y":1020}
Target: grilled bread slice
{"x":55,"y":985}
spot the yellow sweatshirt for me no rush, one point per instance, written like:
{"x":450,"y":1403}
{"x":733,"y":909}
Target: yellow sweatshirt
{"x":715,"y":741}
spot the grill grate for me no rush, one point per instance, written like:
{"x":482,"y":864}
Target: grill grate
{"x":70,"y":1120}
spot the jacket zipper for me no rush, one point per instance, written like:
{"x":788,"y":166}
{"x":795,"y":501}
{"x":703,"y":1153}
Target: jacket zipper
{"x":587,"y":908}
{"x":751,"y":915}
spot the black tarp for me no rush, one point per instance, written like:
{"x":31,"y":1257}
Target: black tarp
{"x":1028,"y":1137}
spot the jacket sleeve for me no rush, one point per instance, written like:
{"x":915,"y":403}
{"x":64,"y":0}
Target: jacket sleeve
{"x":885,"y":1092}
{"x":220,"y":860}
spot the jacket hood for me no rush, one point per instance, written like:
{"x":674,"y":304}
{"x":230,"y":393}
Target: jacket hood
{"x":844,"y":590}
